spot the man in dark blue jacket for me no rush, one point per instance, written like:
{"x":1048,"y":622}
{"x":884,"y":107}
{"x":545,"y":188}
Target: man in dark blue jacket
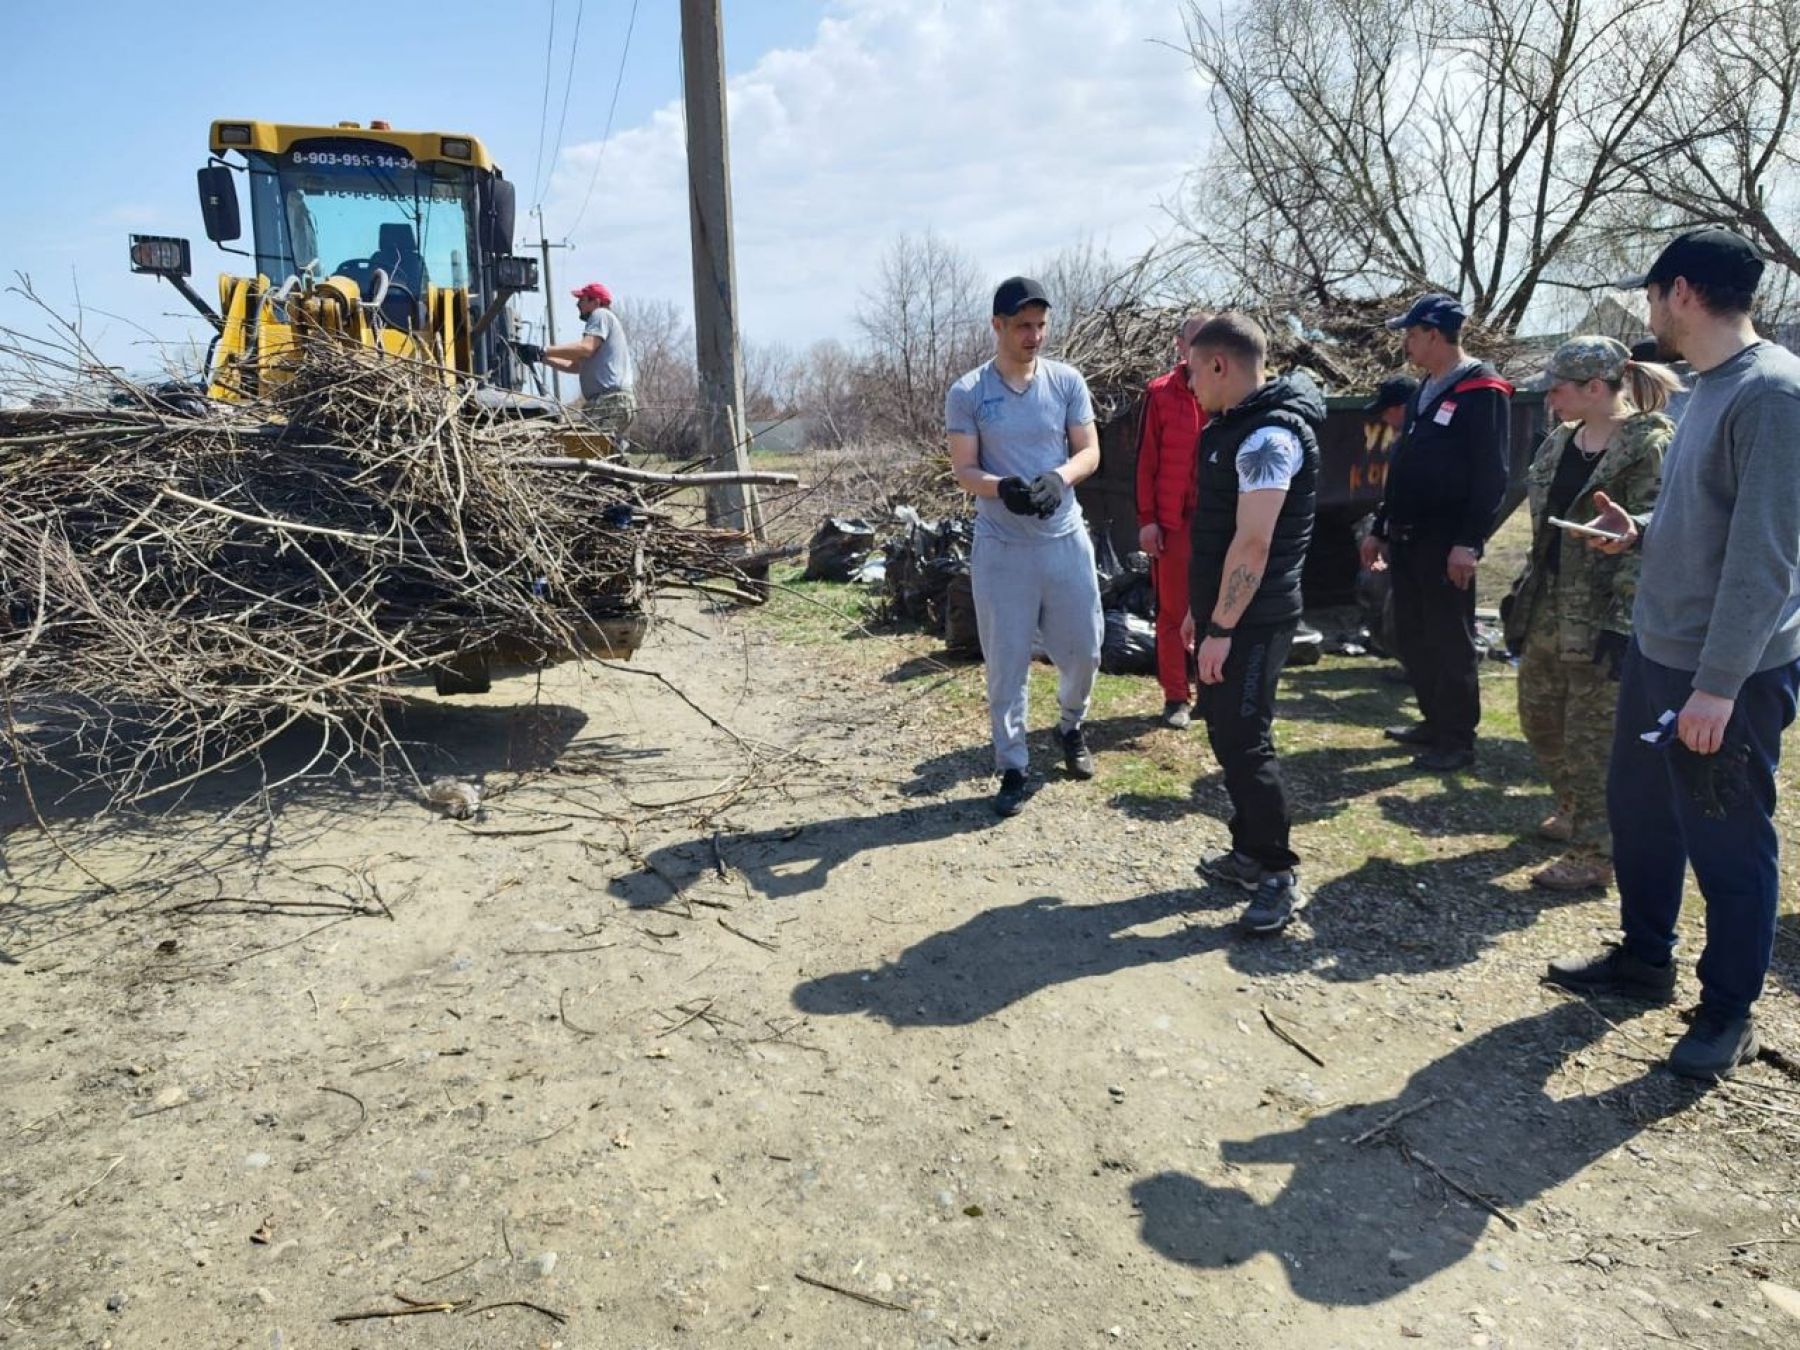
{"x":1443,"y":490}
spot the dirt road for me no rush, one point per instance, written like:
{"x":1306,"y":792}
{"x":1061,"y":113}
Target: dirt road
{"x":754,"y":1027}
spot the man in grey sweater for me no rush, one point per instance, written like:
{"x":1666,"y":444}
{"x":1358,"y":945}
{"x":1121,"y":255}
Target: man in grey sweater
{"x":1709,"y":683}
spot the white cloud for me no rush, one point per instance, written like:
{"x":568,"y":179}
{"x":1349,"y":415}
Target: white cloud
{"x":1012,"y":128}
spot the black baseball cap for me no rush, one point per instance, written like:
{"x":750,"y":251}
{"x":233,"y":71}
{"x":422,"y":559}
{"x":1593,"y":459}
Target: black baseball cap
{"x":1433,"y":310}
{"x":1395,"y":392}
{"x":1017,"y":292}
{"x":1710,"y":257}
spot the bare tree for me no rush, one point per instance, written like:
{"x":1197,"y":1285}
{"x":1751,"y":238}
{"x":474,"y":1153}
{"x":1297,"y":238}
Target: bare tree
{"x":1725,"y":148}
{"x":923,"y":325}
{"x":662,"y":347}
{"x":830,"y":394}
{"x":1477,"y":146}
{"x":772,"y":380}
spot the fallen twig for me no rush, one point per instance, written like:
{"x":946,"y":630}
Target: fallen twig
{"x":1388,"y":1123}
{"x":1288,"y":1036}
{"x":766,"y":946}
{"x":1413,"y":1155}
{"x":563,"y":1014}
{"x":552,"y":1314}
{"x":860,"y":1297}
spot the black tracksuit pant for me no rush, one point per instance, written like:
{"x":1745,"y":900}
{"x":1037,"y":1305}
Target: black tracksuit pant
{"x":1239,"y":712}
{"x":1434,"y":624}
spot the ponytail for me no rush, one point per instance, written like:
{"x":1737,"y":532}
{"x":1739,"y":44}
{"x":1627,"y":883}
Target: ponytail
{"x":1648,"y":385}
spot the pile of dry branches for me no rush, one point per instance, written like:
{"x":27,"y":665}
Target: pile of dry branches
{"x":177,"y":591}
{"x":1120,"y":346}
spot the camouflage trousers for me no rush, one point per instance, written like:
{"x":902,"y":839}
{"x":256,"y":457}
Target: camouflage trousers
{"x":611,"y":413}
{"x":1566,"y":711}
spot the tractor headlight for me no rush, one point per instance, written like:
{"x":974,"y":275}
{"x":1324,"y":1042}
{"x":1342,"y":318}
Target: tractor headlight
{"x":161,"y":255}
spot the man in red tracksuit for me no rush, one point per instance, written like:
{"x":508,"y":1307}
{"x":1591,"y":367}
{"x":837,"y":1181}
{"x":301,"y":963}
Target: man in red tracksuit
{"x":1166,"y":496}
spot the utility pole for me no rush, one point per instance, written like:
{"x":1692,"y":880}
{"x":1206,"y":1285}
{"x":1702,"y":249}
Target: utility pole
{"x":543,"y":246}
{"x":724,"y":435}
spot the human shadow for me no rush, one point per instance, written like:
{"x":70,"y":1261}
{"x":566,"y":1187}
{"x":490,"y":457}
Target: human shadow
{"x":1392,"y":917}
{"x":1005,"y":954}
{"x":1355,"y":1224}
{"x":784,"y":862}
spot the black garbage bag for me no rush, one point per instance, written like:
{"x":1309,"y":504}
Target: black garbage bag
{"x":921,"y":563}
{"x":1124,"y":583}
{"x":962,"y":635}
{"x":1128,"y":646}
{"x":838,"y":548}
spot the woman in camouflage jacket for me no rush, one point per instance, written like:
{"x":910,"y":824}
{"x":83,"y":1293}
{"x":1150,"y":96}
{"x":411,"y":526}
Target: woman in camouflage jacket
{"x":1569,"y":614}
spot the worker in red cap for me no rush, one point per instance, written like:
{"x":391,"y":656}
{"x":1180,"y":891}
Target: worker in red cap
{"x":601,"y":356}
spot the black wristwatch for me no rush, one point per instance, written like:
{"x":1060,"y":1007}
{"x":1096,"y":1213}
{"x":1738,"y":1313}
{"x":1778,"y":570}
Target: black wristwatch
{"x":1213,"y":630}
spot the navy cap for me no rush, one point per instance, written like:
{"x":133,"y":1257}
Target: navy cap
{"x":1435,"y":310}
{"x":1710,"y":257}
{"x":1395,"y":392}
{"x":1017,"y":292}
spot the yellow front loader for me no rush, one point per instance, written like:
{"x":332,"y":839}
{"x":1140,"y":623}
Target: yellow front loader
{"x":400,"y":240}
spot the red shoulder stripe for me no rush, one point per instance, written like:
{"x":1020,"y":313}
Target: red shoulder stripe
{"x":1493,"y":382}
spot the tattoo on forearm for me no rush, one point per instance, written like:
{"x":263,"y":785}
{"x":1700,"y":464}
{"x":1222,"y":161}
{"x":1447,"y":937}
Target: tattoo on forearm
{"x":1240,"y":586}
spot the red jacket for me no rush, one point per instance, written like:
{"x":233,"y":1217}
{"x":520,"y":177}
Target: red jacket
{"x":1168,"y":443}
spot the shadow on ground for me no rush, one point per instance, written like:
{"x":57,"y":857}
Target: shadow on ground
{"x":781,"y":863}
{"x":1355,"y":1224}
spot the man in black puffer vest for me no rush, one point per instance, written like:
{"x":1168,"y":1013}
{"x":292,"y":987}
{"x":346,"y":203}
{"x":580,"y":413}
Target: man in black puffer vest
{"x":1259,"y":465}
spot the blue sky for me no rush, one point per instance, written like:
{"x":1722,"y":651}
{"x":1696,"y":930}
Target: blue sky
{"x":1011,"y":127}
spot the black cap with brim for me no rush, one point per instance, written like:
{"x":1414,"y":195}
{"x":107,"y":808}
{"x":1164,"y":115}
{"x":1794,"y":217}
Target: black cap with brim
{"x":1395,"y":392}
{"x":1015,"y":293}
{"x":1709,"y":257}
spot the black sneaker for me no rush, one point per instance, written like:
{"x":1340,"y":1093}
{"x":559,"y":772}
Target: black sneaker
{"x":1614,"y":971}
{"x":1443,"y":761}
{"x":1415,"y":734}
{"x":1714,"y":1045}
{"x":1175,"y":715}
{"x":1076,"y":755}
{"x":1015,"y":787}
{"x":1228,"y":865}
{"x":1277,"y":900}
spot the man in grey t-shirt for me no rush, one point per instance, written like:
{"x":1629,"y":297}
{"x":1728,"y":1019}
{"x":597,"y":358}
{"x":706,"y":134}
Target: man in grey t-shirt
{"x":1022,"y":435}
{"x":1710,"y":680}
{"x":601,"y":356}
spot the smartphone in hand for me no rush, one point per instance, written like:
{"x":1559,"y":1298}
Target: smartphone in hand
{"x":1575,"y":527}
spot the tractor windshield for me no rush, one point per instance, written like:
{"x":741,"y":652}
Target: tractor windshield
{"x":350,"y":207}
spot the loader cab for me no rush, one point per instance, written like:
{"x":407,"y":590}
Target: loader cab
{"x":413,"y":230}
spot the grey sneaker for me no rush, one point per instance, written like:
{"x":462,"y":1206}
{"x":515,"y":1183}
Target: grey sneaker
{"x":1228,"y":865}
{"x":1175,"y":715}
{"x":1015,"y":787}
{"x":1076,"y":756}
{"x":1277,"y":900}
{"x":1714,"y":1045}
{"x":1614,"y":971}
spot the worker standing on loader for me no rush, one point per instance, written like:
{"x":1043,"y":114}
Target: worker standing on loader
{"x":601,"y":356}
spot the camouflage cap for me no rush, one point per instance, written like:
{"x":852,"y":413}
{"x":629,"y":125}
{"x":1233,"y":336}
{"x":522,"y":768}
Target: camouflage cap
{"x":1589,"y":358}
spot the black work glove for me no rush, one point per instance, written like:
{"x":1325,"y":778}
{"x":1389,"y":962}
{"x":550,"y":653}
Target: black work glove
{"x":1717,"y":782}
{"x":1609,"y":653}
{"x":1046,"y":493}
{"x":530,"y":353}
{"x":1016,"y":496}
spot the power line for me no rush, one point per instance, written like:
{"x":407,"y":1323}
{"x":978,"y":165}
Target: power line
{"x":611,"y":108}
{"x":568,"y":81}
{"x":537,"y":176}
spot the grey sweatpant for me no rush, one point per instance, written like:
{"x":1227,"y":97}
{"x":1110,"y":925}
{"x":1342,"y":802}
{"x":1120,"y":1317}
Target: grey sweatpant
{"x":1046,"y":587}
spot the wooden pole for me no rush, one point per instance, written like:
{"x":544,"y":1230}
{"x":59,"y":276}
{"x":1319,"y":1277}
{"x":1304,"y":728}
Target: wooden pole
{"x":724,"y":434}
